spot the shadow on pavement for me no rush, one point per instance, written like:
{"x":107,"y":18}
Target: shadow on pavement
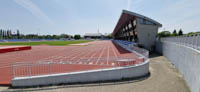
{"x":154,"y":54}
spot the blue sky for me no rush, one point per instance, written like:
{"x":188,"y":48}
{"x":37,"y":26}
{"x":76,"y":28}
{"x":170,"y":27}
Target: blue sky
{"x":87,"y":16}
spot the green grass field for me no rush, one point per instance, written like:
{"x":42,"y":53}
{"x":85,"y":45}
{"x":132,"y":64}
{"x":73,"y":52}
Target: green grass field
{"x":51,"y":43}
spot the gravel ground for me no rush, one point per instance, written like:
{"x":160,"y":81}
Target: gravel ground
{"x":164,"y":78}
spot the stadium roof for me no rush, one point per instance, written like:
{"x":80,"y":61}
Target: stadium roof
{"x":128,"y":15}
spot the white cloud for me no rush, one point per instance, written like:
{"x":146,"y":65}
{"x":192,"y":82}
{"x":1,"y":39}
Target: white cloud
{"x":34,"y":9}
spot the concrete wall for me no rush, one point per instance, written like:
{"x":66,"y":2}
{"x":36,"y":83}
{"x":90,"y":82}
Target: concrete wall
{"x":147,"y":35}
{"x":86,"y":76}
{"x":186,"y":59}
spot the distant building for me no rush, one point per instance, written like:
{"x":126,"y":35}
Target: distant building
{"x":138,"y":28}
{"x":93,"y":35}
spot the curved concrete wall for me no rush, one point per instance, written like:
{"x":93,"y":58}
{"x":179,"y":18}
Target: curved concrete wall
{"x":85,"y":76}
{"x":186,"y":59}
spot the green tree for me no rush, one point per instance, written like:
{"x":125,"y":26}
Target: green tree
{"x":64,"y":36}
{"x":77,"y":36}
{"x":1,"y":33}
{"x":110,"y":36}
{"x":18,"y":34}
{"x":174,"y":33}
{"x":4,"y":34}
{"x":164,"y":34}
{"x":180,"y":32}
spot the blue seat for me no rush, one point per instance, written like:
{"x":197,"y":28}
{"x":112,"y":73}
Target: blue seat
{"x":36,"y":39}
{"x":17,"y":40}
{"x":126,"y":42}
{"x":1,"y":40}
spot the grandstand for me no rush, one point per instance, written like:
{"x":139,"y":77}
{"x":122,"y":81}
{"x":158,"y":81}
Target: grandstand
{"x":137,"y":28}
{"x":93,"y":36}
{"x":16,"y":40}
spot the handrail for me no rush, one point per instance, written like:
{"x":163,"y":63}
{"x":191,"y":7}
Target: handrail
{"x":53,"y":67}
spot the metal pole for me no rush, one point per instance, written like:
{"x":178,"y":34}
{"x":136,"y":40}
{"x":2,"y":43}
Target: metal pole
{"x":50,"y":66}
{"x":13,"y":70}
{"x":29,"y":70}
{"x":69,"y":67}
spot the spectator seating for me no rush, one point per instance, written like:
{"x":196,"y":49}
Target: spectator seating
{"x":1,"y":40}
{"x":16,"y":40}
{"x":126,"y":42}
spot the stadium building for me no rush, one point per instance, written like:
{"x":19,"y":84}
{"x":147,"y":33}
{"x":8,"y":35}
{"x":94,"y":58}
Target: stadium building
{"x":138,"y":28}
{"x":93,"y":35}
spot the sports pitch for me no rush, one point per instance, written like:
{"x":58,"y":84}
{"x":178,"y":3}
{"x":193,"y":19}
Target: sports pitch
{"x":51,"y":43}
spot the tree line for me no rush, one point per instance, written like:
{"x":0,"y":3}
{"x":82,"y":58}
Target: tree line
{"x":169,"y":34}
{"x":9,"y":34}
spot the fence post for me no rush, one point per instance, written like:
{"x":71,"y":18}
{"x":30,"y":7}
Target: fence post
{"x":198,"y":42}
{"x":192,"y":43}
{"x":50,"y":66}
{"x":69,"y":68}
{"x":29,"y":70}
{"x":65,"y":67}
{"x":13,"y":71}
{"x":195,"y":41}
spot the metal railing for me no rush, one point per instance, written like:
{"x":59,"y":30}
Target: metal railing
{"x":55,"y":67}
{"x":189,"y":40}
{"x":185,"y":59}
{"x":132,"y":46}
{"x":142,"y":51}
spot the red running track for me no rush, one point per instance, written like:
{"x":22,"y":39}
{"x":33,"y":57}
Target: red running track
{"x":55,"y":54}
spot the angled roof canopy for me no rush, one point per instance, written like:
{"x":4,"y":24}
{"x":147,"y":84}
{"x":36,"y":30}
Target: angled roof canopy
{"x":126,"y":16}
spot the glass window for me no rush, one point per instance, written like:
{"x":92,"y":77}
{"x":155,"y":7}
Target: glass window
{"x":141,"y":21}
{"x":130,"y":26}
{"x":126,"y":28}
{"x":134,"y":22}
{"x":149,"y":23}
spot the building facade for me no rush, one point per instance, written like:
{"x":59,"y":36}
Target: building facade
{"x":93,"y":35}
{"x":138,"y":28}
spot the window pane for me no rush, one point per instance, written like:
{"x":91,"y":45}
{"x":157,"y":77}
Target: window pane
{"x":130,"y":25}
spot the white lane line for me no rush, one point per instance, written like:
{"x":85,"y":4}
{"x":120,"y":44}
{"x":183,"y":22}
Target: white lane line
{"x":81,"y":53}
{"x":108,"y":52}
{"x":98,"y":49}
{"x":113,"y":49}
{"x":100,"y":55}
{"x":89,"y":52}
